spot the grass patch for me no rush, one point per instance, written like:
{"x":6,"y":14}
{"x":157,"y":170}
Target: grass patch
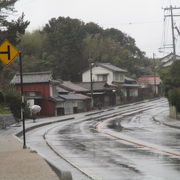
{"x":33,"y":151}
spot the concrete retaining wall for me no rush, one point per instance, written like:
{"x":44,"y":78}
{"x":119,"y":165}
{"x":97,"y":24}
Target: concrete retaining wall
{"x":6,"y":120}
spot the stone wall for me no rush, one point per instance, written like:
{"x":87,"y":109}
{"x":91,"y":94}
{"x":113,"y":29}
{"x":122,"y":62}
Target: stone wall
{"x":6,"y":120}
{"x":173,"y":112}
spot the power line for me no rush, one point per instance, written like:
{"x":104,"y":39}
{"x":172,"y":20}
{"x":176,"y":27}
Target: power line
{"x":171,"y":14}
{"x":140,"y":22}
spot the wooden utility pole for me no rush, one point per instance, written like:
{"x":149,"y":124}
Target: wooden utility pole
{"x":154,"y":75}
{"x":173,"y":36}
{"x":173,"y":27}
{"x":22,"y":101}
{"x":91,"y":81}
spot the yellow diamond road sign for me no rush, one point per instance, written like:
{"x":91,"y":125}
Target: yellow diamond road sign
{"x":7,"y":52}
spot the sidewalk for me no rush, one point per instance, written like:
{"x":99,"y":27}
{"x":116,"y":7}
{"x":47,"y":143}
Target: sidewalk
{"x":166,"y":120}
{"x":22,"y":164}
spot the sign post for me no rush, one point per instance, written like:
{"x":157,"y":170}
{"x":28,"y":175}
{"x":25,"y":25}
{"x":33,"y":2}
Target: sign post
{"x":7,"y":54}
{"x":22,"y":102}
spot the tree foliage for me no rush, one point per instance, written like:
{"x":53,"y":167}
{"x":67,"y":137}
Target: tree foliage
{"x":174,"y":97}
{"x":13,"y":100}
{"x":171,"y":80}
{"x":64,"y":42}
{"x":65,"y":46}
{"x":1,"y":97}
{"x":11,"y":30}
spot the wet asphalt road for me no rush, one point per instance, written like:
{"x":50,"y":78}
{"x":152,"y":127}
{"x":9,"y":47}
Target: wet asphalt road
{"x":126,"y":147}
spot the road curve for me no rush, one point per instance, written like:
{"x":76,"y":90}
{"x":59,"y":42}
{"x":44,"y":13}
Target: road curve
{"x":94,"y":150}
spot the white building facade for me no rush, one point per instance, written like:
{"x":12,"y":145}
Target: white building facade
{"x":104,"y":72}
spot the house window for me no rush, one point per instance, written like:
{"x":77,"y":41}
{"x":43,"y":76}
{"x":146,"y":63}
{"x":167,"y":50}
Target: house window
{"x":102,"y":77}
{"x":121,"y":77}
{"x":118,"y":77}
{"x":32,"y":94}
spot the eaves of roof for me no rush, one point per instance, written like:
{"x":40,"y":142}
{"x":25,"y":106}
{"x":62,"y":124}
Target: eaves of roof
{"x":33,"y":77}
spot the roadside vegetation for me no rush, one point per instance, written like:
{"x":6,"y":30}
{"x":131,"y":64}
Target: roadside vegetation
{"x":4,"y":109}
{"x":171,"y":81}
{"x":10,"y":102}
{"x":65,"y":45}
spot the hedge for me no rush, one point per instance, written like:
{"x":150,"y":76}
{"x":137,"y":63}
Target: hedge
{"x":174,"y":98}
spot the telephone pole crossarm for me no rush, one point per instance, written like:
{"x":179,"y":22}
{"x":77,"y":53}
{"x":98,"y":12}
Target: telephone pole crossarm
{"x":171,"y":15}
{"x":168,"y":8}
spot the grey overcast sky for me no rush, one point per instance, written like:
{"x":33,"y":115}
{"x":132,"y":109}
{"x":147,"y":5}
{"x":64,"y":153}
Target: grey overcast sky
{"x":141,"y":19}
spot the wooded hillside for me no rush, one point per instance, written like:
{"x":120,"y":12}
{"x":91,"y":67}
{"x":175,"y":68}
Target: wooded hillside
{"x":65,"y":45}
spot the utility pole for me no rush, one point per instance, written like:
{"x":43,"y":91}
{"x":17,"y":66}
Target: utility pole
{"x":154,"y":75}
{"x":22,"y":102}
{"x":171,"y":15}
{"x":91,"y":81}
{"x":173,"y":36}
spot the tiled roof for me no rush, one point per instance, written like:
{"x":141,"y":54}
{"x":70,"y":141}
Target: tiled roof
{"x":57,"y":99}
{"x":149,"y":80}
{"x":33,"y":77}
{"x":111,"y":67}
{"x":73,"y":87}
{"x":61,"y":90}
{"x":130,"y":85}
{"x":135,"y":85}
{"x":129,"y":79}
{"x":72,"y":96}
{"x":97,"y":86}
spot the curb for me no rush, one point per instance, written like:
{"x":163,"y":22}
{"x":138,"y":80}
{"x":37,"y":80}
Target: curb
{"x":41,"y":125}
{"x":64,"y":158}
{"x":63,"y":175}
{"x":166,"y":124}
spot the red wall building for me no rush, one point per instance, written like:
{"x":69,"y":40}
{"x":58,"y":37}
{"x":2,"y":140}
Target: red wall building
{"x":37,"y":90}
{"x":41,"y":89}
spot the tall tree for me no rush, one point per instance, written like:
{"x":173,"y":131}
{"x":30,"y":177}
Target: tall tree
{"x":10,"y":29}
{"x":64,"y":46}
{"x":64,"y":43}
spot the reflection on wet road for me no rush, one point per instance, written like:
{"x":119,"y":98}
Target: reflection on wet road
{"x":104,"y":157}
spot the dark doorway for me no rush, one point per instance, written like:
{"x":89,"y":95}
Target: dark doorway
{"x":75,"y":110}
{"x":60,"y":111}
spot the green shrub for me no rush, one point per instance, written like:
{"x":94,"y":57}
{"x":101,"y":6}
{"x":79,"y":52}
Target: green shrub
{"x":13,"y":100}
{"x":1,"y":97}
{"x":174,"y":98}
{"x":4,"y":109}
{"x":171,"y":82}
